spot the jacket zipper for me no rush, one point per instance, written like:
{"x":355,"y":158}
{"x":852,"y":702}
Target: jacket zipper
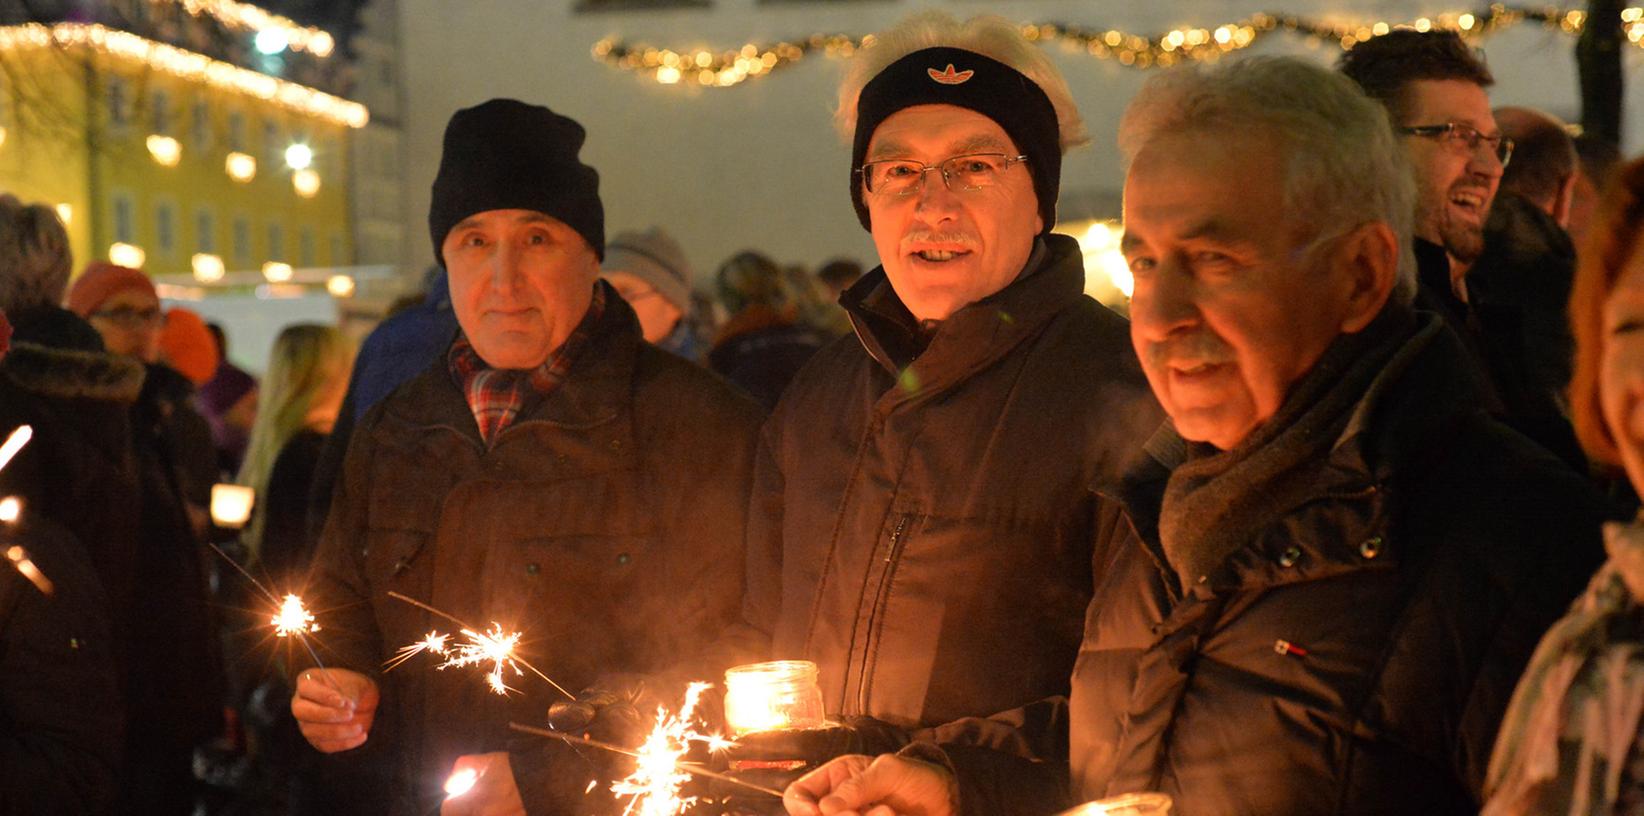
{"x":891,"y":552}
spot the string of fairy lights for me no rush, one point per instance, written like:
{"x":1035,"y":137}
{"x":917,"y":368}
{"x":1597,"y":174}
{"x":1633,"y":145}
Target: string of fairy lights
{"x":246,"y":17}
{"x":723,"y":69}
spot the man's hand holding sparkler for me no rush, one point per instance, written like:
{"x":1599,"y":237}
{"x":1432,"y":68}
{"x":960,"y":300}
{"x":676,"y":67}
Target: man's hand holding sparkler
{"x":889,"y":785}
{"x":334,"y":708}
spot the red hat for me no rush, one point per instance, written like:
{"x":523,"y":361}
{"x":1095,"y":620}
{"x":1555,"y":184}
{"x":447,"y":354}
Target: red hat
{"x":187,"y":345}
{"x":100,"y":281}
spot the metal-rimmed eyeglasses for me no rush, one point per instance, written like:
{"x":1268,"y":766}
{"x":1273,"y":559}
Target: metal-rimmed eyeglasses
{"x":967,"y":173}
{"x":1463,"y":138}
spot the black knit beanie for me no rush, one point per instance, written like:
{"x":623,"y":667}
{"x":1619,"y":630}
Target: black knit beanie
{"x":507,"y":155}
{"x":954,"y":76}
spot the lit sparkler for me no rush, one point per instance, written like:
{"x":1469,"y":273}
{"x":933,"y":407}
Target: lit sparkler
{"x":461,"y":782}
{"x":657,"y":778}
{"x":293,"y":618}
{"x":496,"y":648}
{"x":14,"y":443}
{"x":11,"y":509}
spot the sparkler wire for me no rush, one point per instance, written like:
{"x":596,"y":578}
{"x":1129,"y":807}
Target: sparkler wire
{"x":458,"y":621}
{"x":687,"y":767}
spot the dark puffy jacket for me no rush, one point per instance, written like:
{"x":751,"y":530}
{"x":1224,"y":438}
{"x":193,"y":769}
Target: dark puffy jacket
{"x":921,"y":527}
{"x":606,"y":524}
{"x":1356,"y":658}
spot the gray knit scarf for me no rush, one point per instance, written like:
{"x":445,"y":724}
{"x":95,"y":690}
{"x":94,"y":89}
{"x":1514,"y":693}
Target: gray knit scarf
{"x":1216,"y":502}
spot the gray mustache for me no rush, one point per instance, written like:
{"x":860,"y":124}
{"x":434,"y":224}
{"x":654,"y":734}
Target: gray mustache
{"x":1199,"y":346}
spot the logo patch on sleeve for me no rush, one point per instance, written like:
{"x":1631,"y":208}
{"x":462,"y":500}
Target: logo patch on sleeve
{"x":950,"y":76}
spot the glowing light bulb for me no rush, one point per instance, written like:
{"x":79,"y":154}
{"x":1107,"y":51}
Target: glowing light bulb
{"x":271,"y":41}
{"x":128,"y":255}
{"x":306,"y":182}
{"x":277,"y":271}
{"x":340,"y":286}
{"x":240,"y":166}
{"x":299,"y":156}
{"x":165,"y":150}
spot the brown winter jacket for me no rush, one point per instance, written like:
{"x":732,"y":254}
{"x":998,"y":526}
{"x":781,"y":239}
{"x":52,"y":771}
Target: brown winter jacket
{"x":605,"y":523}
{"x":921,"y":527}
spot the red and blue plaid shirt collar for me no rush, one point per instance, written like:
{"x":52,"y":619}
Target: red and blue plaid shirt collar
{"x":495,"y":395}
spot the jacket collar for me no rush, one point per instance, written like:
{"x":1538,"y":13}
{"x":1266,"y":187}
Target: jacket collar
{"x":72,"y":373}
{"x":973,"y":337}
{"x":595,"y":391}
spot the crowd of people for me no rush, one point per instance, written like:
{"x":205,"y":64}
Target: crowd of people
{"x":1339,"y":520}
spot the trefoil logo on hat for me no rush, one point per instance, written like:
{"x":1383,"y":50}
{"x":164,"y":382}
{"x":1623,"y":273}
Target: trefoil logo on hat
{"x":950,"y":76}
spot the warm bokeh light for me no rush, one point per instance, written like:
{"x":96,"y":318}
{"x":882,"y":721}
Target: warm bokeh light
{"x":299,"y":156}
{"x":129,"y":255}
{"x":340,"y":286}
{"x":208,"y":268}
{"x":165,"y":150}
{"x":306,"y":182}
{"x":240,"y":166}
{"x":66,"y":213}
{"x":277,"y":271}
{"x":231,"y":505}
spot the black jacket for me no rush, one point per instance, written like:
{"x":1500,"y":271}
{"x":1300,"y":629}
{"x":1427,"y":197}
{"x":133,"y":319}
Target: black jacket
{"x":1357,"y":658}
{"x":920,"y":525}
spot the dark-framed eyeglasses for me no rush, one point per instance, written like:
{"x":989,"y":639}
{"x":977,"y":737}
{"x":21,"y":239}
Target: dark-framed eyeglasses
{"x":1463,"y":138}
{"x":967,"y":173}
{"x":130,"y":318}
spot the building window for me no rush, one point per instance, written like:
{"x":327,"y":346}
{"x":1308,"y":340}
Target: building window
{"x":205,"y":231}
{"x":118,"y":103}
{"x":271,"y":144}
{"x":165,"y":228}
{"x":337,"y":257}
{"x":305,"y":247}
{"x":125,"y":219}
{"x":242,"y":243}
{"x":202,"y":125}
{"x":276,"y":241}
{"x":160,"y":102}
{"x":236,"y":132}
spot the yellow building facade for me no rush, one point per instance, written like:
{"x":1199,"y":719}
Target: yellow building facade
{"x":147,"y":145}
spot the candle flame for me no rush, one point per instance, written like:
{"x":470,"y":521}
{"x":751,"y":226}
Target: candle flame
{"x":293,"y":618}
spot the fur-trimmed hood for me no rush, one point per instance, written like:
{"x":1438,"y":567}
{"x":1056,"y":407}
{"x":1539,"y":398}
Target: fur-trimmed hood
{"x":72,"y":373}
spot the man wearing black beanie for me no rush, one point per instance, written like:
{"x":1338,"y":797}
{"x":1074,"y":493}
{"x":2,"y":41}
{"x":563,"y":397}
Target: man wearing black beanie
{"x":922,"y":527}
{"x":551,"y":471}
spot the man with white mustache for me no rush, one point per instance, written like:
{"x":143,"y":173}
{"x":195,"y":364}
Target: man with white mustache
{"x":921,"y":526}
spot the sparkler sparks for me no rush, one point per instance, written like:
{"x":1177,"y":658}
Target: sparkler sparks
{"x":293,"y":618}
{"x":495,"y":647}
{"x":11,"y":509}
{"x":461,"y":782}
{"x":657,"y":778}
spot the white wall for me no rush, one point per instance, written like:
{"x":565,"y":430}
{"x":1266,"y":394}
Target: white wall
{"x":758,"y":165}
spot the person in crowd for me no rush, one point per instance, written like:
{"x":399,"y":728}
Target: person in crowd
{"x":396,"y":351}
{"x":1599,"y":158}
{"x":550,"y":468}
{"x":229,"y":404}
{"x":175,"y":673}
{"x":1339,"y":563}
{"x":921,"y":525}
{"x":649,"y":271}
{"x":1571,"y":739}
{"x":301,"y":396}
{"x":186,"y":345}
{"x":1519,"y":285}
{"x":763,"y":344}
{"x":59,"y":752}
{"x":835,"y":277}
{"x":228,"y":401}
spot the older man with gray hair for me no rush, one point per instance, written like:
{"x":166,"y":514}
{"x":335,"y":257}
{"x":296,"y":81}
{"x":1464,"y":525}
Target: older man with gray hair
{"x":1339,"y":564}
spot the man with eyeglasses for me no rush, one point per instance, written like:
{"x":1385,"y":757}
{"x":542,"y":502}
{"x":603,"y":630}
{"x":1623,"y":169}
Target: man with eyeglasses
{"x":921,"y":524}
{"x":1434,"y":88}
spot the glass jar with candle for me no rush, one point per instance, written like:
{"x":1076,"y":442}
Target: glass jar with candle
{"x":1129,"y":804}
{"x":779,"y":695}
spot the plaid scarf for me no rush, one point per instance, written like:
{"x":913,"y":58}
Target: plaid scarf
{"x":497,"y":395}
